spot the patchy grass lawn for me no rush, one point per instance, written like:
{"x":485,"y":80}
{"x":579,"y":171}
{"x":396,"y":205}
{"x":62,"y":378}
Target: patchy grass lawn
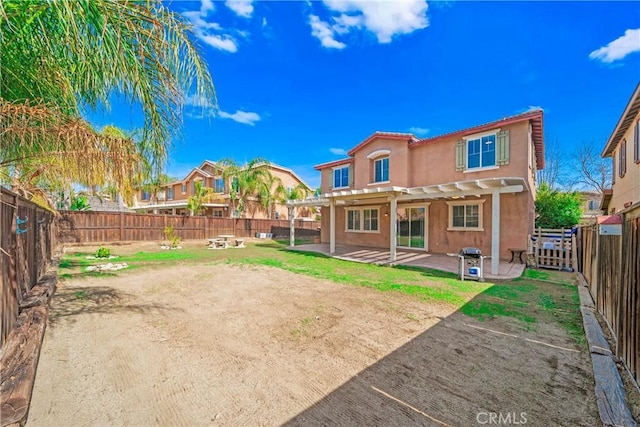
{"x":537,"y":297}
{"x":199,"y":337}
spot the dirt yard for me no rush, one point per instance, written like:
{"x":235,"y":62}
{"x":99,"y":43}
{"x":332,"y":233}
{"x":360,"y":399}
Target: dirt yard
{"x":216,"y":344}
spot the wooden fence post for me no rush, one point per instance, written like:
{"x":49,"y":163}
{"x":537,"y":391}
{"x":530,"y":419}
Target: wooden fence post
{"x":121,"y":226}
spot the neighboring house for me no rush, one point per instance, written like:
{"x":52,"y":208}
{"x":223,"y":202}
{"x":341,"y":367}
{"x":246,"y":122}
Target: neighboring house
{"x":590,"y":206}
{"x":474,"y":187}
{"x":623,"y":147}
{"x":173,"y":197}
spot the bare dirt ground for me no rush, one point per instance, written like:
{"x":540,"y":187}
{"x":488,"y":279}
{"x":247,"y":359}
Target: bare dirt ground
{"x":224,"y":345}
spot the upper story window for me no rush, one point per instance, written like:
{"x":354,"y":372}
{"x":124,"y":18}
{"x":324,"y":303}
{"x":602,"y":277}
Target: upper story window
{"x":381,"y":170}
{"x":146,"y":195}
{"x":481,"y":152}
{"x":170,"y":193}
{"x":218,"y":185}
{"x":184,"y":188}
{"x":341,"y":177}
{"x":488,"y":151}
{"x":622,"y":158}
{"x":379,"y":166}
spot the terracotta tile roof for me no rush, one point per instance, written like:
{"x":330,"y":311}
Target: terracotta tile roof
{"x":409,"y":137}
{"x":333,"y":163}
{"x":535,"y":117}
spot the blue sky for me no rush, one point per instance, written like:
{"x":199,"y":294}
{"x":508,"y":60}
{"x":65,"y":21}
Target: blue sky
{"x":300,"y":83}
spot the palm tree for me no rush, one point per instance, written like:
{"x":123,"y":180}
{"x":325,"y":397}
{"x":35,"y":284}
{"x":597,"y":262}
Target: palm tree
{"x":270,"y":191}
{"x":44,"y":150}
{"x":202,"y":195}
{"x":62,"y":57}
{"x":298,"y":192}
{"x":245,"y":182}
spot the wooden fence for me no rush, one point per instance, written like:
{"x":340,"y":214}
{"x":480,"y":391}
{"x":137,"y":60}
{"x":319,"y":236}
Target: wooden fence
{"x":99,"y":227}
{"x":611,"y":266}
{"x":27,"y":243}
{"x":553,"y":248}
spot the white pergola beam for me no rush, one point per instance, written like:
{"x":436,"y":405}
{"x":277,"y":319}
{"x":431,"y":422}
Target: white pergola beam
{"x":462,"y":193}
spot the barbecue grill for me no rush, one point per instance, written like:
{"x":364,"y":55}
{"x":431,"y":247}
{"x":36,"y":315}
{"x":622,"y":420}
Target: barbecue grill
{"x":471,"y":264}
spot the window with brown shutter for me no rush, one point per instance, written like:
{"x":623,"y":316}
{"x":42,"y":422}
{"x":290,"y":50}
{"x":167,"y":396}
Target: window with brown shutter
{"x":622,"y":158}
{"x":636,"y":143}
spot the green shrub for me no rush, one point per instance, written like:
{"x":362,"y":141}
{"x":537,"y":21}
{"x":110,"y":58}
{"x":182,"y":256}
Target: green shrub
{"x":103,"y":253}
{"x":170,"y":234}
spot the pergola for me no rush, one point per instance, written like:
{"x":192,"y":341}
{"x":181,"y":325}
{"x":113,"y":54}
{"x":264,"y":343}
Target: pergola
{"x":453,"y":190}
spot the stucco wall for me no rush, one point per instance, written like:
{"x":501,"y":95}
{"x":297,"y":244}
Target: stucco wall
{"x":435,"y":162}
{"x":516,"y":223}
{"x":626,"y":189}
{"x":398,"y":161}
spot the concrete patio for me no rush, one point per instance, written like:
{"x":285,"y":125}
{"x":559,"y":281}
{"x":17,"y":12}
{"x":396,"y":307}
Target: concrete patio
{"x":442,"y":262}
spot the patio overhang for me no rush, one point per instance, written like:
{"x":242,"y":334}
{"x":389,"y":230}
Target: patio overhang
{"x":456,"y":189}
{"x":461,"y":189}
{"x":395,"y":195}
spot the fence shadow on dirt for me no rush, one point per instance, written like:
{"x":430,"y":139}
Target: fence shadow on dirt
{"x":461,"y":370}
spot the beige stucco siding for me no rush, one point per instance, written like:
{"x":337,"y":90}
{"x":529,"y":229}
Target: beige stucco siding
{"x":626,"y":189}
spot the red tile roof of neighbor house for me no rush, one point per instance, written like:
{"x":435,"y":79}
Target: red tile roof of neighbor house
{"x":535,"y":117}
{"x":626,"y":120}
{"x":333,"y":163}
{"x":610,"y":219}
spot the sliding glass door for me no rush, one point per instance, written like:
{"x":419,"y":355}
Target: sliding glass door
{"x":412,"y":227}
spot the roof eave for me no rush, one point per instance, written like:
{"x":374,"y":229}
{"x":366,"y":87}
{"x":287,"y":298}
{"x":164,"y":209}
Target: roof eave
{"x":333,"y":163}
{"x":632,"y":108}
{"x":409,"y":137}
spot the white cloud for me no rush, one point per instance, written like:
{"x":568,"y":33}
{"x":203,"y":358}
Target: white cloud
{"x":619,"y":48}
{"x":338,"y":151}
{"x":323,"y":32}
{"x":385,"y":19}
{"x":242,"y":8}
{"x":221,"y":42}
{"x":264,"y":22}
{"x":245,"y":117}
{"x":418,"y":130}
{"x":197,"y":101}
{"x":210,"y":32}
{"x":530,"y":108}
{"x":206,"y":6}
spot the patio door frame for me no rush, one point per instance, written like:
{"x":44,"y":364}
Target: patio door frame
{"x":424,"y":205}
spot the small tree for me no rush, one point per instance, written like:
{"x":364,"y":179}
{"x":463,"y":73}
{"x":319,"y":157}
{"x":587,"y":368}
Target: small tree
{"x":592,"y":171}
{"x":557,"y":209}
{"x":196,"y":202}
{"x":80,"y":203}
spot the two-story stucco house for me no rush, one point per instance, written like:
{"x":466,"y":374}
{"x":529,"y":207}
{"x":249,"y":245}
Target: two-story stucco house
{"x":472,"y":187}
{"x":173,"y":197}
{"x":623,"y":147}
